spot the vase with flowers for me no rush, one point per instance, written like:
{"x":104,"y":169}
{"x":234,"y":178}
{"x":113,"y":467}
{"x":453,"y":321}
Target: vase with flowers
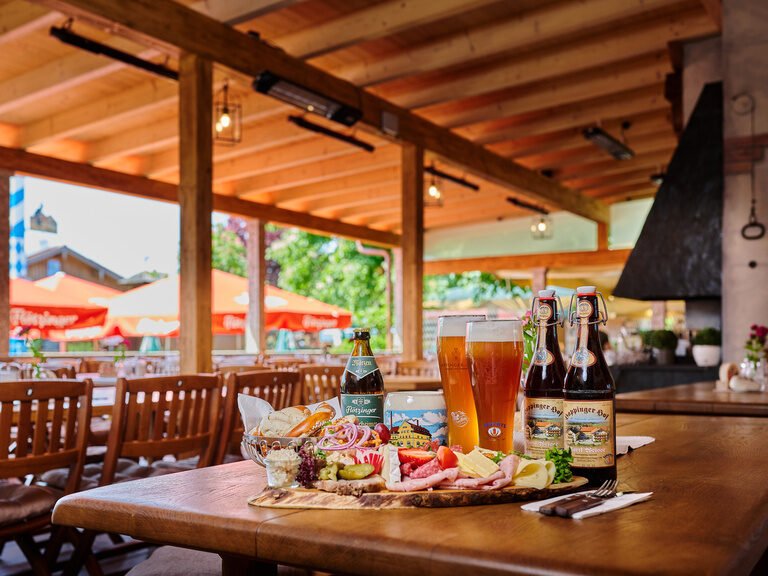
{"x":754,"y":363}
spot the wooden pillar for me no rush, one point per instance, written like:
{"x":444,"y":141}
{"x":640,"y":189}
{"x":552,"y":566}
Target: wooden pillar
{"x":255,"y":334}
{"x":602,"y":236}
{"x":538,"y":280}
{"x":397,"y":258}
{"x":413,"y":249}
{"x":5,"y":282}
{"x":658,"y":314}
{"x":196,"y":204}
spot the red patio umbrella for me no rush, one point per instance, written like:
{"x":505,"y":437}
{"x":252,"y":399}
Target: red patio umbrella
{"x":45,"y":310}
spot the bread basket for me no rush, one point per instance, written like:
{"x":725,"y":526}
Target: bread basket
{"x":257,"y":447}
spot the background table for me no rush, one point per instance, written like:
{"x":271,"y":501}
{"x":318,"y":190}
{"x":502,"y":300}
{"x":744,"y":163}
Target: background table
{"x":700,"y":398}
{"x":709,"y":514}
{"x":402,"y":383}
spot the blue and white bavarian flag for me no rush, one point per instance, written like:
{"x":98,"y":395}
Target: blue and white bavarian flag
{"x":18,"y":259}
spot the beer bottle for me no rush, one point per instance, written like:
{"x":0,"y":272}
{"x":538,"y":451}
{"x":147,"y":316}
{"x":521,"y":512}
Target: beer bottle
{"x":362,"y":390}
{"x":588,"y":395}
{"x":543,"y":405}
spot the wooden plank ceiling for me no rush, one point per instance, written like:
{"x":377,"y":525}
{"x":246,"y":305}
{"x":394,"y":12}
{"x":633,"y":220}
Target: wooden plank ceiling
{"x":521,"y":78}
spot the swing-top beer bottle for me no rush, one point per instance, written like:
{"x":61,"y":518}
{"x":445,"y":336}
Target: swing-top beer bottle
{"x":362,"y":389}
{"x":588,"y":395}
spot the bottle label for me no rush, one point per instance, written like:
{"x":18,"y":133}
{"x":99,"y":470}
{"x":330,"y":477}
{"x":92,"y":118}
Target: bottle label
{"x":361,"y":366}
{"x":369,"y":408}
{"x":589,"y":432}
{"x":543,"y":421}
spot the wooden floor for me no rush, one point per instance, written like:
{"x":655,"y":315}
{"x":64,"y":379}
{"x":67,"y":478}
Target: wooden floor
{"x":13,"y":563}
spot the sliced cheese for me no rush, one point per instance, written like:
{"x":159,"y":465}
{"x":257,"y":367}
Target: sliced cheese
{"x":390,"y":469}
{"x":534,"y":474}
{"x":465,"y":465}
{"x":551,"y":470}
{"x":481,"y":464}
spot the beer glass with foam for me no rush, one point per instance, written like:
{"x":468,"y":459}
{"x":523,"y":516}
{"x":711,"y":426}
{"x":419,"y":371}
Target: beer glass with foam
{"x":494,"y":360}
{"x":452,"y":360}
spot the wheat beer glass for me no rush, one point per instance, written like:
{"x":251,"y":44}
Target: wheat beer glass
{"x":452,"y":359}
{"x":494,"y":360}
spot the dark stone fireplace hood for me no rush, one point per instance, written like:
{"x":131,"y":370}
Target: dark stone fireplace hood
{"x":678,"y":254}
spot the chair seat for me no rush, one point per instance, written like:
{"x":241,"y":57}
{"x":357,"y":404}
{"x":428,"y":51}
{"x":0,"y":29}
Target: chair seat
{"x":99,"y":431}
{"x":19,"y":502}
{"x":125,"y":470}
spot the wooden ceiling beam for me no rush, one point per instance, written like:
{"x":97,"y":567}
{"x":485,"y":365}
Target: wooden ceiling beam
{"x":640,"y":124}
{"x":613,"y":166}
{"x":332,"y":168}
{"x":563,"y":60}
{"x":234,"y":12}
{"x":715,"y":10}
{"x":578,"y":115}
{"x":630,"y":174}
{"x":588,"y":152}
{"x":198,"y":34}
{"x":649,"y":70}
{"x":525,"y":261}
{"x":19,"y":18}
{"x":648,"y":192}
{"x":610,"y":191}
{"x":376,"y":21}
{"x":330,"y":205}
{"x":533,"y":28}
{"x":23,"y":162}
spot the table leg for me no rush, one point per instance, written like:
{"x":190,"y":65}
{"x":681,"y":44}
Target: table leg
{"x":240,"y":566}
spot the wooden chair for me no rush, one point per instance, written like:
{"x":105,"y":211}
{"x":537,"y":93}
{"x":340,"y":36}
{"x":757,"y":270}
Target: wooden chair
{"x":227,"y":368}
{"x":281,"y":389}
{"x":320,"y":383}
{"x":418,"y":368}
{"x":52,"y":431}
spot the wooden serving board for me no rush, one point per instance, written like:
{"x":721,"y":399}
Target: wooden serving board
{"x":301,"y":498}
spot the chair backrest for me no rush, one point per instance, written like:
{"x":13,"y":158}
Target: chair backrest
{"x":320,"y":383}
{"x":44,"y":425}
{"x":418,"y":368}
{"x":163,"y":415}
{"x":279,"y":388}
{"x":227,"y":368}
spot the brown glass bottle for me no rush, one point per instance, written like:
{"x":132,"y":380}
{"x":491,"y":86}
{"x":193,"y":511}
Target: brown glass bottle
{"x":588,"y":397}
{"x":362,"y":390}
{"x":543,"y":402}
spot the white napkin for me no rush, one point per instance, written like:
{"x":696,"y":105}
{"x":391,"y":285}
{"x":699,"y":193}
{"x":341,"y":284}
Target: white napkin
{"x":623,"y":443}
{"x":607,"y":506}
{"x":253,"y":409}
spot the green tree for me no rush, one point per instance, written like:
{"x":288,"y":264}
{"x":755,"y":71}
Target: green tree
{"x":228,"y":251}
{"x":333,"y":271}
{"x":476,"y":285}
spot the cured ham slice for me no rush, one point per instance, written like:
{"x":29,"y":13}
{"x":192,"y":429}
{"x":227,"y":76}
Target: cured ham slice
{"x":472,"y":483}
{"x":508,"y":466}
{"x":416,"y":484}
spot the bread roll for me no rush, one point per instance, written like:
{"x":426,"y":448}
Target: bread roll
{"x":279,"y":424}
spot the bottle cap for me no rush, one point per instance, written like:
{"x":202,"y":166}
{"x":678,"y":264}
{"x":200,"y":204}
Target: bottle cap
{"x":586,"y":290}
{"x":546,"y":293}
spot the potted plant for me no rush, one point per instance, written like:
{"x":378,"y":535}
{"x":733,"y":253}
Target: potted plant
{"x":706,"y":347}
{"x":663,"y":343}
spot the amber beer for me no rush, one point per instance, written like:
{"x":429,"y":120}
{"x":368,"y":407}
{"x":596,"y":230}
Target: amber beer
{"x":362,"y":389}
{"x":452,"y":360}
{"x":588,"y":396}
{"x":494,"y":360}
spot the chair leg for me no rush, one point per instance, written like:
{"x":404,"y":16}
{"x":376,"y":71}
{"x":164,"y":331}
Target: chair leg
{"x":54,"y":544}
{"x":82,"y":552}
{"x":116,"y":538}
{"x":29,"y":548}
{"x":2,"y":547}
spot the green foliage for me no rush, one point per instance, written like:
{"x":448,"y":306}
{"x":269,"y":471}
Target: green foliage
{"x":80,"y":346}
{"x":228,"y":251}
{"x":333,"y":271}
{"x":661,"y":339}
{"x":476,"y":285}
{"x":707,"y":337}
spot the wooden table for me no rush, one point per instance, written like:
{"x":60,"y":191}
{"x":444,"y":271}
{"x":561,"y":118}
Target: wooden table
{"x":700,"y":398}
{"x":402,"y":383}
{"x":709,"y":514}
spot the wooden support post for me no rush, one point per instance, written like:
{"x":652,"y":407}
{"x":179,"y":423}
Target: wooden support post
{"x":602,"y":236}
{"x":658,"y":314}
{"x":196,"y":204}
{"x":5,"y":282}
{"x":397,"y":257}
{"x":413,"y":250}
{"x":255,"y":333}
{"x":538,"y":279}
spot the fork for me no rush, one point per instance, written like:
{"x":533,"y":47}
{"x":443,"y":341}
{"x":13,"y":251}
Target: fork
{"x":549,"y":509}
{"x":568,"y":509}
